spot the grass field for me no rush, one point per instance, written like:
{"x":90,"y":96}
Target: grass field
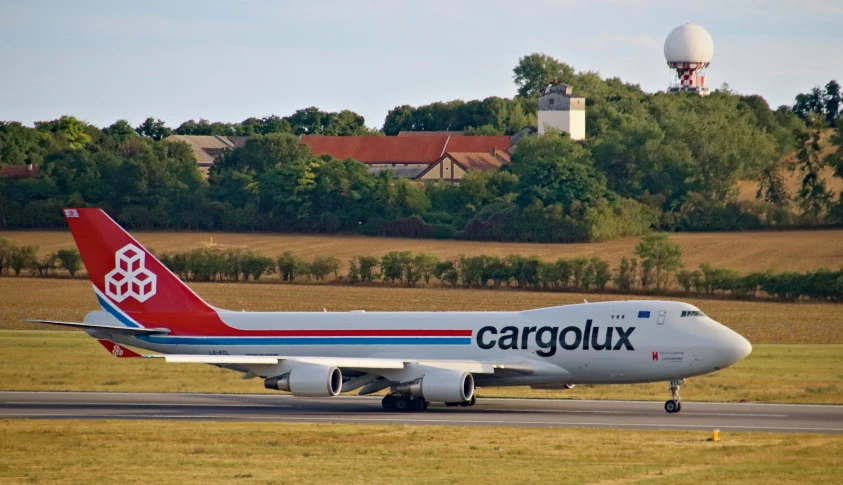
{"x":760,"y":322}
{"x":199,"y":453}
{"x":745,"y":252}
{"x":72,"y":361}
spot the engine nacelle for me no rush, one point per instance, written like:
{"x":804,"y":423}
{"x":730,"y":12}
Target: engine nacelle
{"x":441,"y":386}
{"x":310,"y":380}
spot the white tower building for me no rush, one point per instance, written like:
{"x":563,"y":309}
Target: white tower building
{"x":688,"y":50}
{"x":559,"y":108}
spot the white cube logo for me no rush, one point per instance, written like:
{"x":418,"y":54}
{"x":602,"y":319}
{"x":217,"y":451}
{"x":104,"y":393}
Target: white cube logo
{"x":130,"y":276}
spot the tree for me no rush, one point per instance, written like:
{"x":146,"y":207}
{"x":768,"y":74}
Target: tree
{"x":624,"y":279}
{"x":322,"y":266}
{"x":553,"y":169}
{"x":579,"y":266}
{"x":7,"y":249}
{"x":602,"y":275}
{"x":807,"y":103}
{"x":69,"y":260}
{"x":367,"y":265}
{"x":814,"y":197}
{"x":664,"y":257}
{"x":832,"y":102}
{"x":535,"y":72}
{"x":290,"y":265}
{"x":426,"y":264}
{"x":153,"y":128}
{"x":447,"y":271}
{"x":393,"y":265}
{"x":23,"y":257}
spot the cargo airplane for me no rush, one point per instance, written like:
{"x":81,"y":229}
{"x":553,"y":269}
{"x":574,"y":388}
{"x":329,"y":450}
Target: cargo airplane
{"x":420,"y":357}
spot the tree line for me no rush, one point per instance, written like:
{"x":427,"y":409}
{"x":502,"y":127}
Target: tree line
{"x":16,"y":259}
{"x":655,"y":268}
{"x":650,"y":162}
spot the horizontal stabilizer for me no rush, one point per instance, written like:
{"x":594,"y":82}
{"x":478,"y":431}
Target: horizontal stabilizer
{"x":106,"y":328}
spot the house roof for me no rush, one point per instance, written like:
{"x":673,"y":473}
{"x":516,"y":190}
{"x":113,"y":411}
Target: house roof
{"x":430,"y":133}
{"x":476,"y":161}
{"x":18,"y":171}
{"x":491,"y":160}
{"x":400,"y":149}
{"x":208,"y":147}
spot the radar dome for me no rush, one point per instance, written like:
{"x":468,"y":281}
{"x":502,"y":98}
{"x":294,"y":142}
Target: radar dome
{"x":689,"y":43}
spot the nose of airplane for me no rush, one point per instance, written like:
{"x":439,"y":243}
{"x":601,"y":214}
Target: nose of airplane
{"x":734,"y":349}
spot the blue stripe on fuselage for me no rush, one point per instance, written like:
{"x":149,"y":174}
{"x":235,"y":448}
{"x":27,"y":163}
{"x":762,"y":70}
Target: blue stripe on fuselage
{"x":114,"y":313}
{"x":307,"y":340}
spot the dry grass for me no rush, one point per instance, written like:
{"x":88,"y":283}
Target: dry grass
{"x":745,"y":252}
{"x":72,"y":361}
{"x":760,"y":322}
{"x":200,"y":453}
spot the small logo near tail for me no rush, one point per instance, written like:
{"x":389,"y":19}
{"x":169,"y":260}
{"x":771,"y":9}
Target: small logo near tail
{"x":130,"y":276}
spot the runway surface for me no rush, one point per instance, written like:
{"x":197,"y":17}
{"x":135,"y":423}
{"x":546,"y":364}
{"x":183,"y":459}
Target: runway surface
{"x":539,"y":413}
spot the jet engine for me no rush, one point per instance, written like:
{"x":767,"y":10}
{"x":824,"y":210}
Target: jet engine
{"x":308,"y":381}
{"x":441,"y":386}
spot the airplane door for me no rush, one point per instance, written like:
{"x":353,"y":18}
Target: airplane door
{"x":660,"y":320}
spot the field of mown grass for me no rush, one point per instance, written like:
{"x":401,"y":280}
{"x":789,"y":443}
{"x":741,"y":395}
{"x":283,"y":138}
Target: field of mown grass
{"x":200,"y":453}
{"x":744,"y":252}
{"x":760,"y":322}
{"x":71,"y":361}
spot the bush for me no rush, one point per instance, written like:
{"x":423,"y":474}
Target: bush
{"x":322,"y":266}
{"x":290,"y":266}
{"x":256,"y":265}
{"x":69,"y":260}
{"x":367,"y":265}
{"x":395,"y":264}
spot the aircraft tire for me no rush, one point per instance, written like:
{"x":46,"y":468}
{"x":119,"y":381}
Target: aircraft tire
{"x":403,"y":404}
{"x":388,"y":402}
{"x":671,"y":406}
{"x":418,"y":405}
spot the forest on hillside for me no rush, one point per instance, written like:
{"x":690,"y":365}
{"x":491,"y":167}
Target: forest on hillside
{"x":651,"y":161}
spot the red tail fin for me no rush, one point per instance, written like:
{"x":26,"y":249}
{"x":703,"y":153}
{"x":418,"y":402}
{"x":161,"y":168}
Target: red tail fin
{"x":125,"y":275}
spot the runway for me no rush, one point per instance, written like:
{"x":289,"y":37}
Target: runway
{"x":539,"y":413}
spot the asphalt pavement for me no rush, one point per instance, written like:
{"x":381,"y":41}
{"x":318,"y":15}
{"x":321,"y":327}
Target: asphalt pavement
{"x":539,"y":413}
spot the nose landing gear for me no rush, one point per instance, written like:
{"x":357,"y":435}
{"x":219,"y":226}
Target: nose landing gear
{"x":674,"y":405}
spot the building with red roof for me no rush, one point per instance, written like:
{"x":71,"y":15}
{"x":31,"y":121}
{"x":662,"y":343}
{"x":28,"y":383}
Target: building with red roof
{"x":406,"y":156}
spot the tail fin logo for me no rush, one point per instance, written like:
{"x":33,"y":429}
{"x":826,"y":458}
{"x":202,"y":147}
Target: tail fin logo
{"x":130,"y":276}
{"x":117,"y":351}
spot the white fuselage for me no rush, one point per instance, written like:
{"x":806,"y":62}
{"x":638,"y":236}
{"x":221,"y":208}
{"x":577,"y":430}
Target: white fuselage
{"x":648,"y":341}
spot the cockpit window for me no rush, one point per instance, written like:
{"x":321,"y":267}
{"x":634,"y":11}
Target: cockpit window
{"x":692,"y":313}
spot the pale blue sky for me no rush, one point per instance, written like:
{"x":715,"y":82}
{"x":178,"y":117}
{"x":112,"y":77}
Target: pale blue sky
{"x":226,"y":61}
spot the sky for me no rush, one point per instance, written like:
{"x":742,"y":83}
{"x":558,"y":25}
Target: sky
{"x":226,"y":61}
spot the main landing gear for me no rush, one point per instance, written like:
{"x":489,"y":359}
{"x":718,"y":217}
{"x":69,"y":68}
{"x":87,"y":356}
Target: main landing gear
{"x":674,"y":405}
{"x":403,"y":403}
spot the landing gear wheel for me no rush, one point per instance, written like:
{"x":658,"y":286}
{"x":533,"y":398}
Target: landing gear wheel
{"x":470,"y":402}
{"x":388,"y":402}
{"x":402,"y":404}
{"x":452,"y":404}
{"x":671,"y":406}
{"x":674,"y":405}
{"x":418,"y":404}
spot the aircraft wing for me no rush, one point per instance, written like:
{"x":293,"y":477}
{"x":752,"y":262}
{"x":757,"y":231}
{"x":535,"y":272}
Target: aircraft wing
{"x":108,"y":328}
{"x":362,"y":364}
